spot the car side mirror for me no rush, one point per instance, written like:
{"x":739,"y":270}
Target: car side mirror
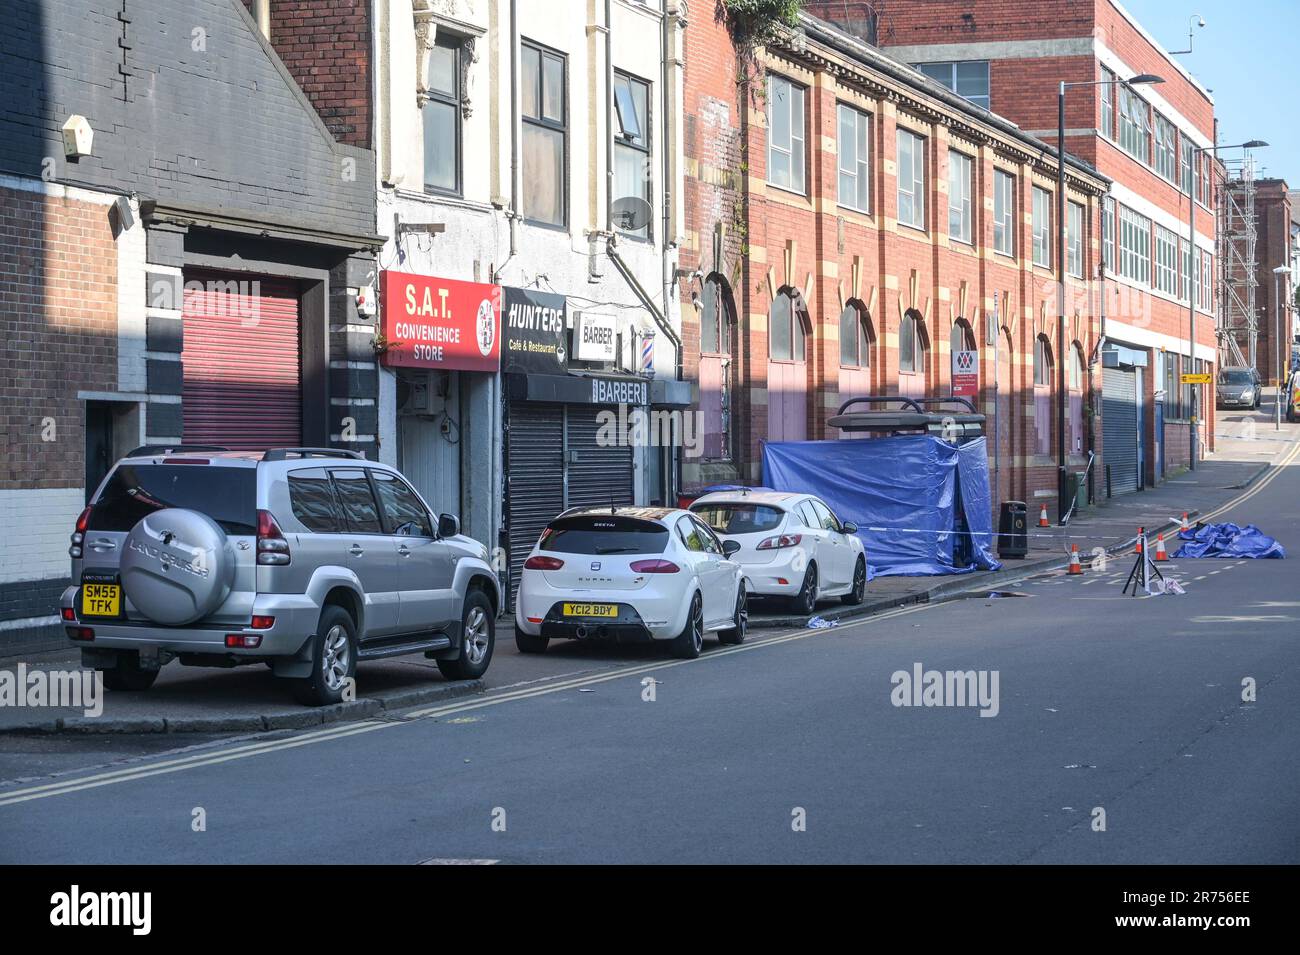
{"x":448,"y":525}
{"x":850,"y":527}
{"x":729,"y":547}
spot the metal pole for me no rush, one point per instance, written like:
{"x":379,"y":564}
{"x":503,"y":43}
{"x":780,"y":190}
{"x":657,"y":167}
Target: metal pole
{"x":1193,"y":274}
{"x":1060,"y":302}
{"x":1277,"y":335}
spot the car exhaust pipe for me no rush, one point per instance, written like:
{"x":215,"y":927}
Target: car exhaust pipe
{"x":582,"y":633}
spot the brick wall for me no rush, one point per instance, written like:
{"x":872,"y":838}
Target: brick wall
{"x":58,"y":305}
{"x":834,"y":255}
{"x":326,"y":46}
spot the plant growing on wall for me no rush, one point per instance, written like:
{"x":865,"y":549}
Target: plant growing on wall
{"x":754,"y":24}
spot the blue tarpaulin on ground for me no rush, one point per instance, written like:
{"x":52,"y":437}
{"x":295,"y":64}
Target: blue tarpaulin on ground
{"x":1228,"y":540}
{"x":913,"y":498}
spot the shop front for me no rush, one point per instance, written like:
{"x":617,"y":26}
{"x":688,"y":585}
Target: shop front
{"x":579,"y":426}
{"x":441,"y":338}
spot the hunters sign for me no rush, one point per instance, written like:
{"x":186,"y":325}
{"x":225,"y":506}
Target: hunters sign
{"x":440,"y":323}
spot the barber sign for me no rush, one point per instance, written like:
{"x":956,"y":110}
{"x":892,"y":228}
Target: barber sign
{"x":965,"y":374}
{"x":440,"y":323}
{"x":596,"y":337}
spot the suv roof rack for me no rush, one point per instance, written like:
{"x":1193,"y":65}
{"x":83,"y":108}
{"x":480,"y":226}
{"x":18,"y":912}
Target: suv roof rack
{"x":152,"y":450}
{"x":282,"y":454}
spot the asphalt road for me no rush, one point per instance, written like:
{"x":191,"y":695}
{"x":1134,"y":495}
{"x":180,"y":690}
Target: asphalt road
{"x":1128,"y":705}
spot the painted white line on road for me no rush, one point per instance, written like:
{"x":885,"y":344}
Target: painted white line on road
{"x":200,"y":760}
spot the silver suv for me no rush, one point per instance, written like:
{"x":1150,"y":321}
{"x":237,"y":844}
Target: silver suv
{"x":306,"y":559}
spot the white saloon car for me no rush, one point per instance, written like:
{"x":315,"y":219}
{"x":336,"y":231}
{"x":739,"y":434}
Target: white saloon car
{"x":630,"y":574}
{"x":791,"y":545}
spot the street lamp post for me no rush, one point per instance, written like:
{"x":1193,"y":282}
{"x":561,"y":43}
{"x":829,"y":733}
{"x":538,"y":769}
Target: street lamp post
{"x":1061,"y":349}
{"x":1193,"y":276}
{"x":1278,"y":274}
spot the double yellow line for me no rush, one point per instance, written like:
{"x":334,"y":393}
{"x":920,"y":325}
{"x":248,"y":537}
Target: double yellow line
{"x":244,"y":751}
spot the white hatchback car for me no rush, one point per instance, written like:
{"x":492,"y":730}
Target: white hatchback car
{"x":791,"y":545}
{"x":630,"y":574}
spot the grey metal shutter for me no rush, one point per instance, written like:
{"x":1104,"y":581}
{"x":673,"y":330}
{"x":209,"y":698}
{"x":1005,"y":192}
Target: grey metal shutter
{"x":535,"y":477}
{"x":597,"y":476}
{"x":1119,"y":428}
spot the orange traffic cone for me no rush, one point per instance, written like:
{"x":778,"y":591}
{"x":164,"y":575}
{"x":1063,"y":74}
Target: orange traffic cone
{"x":1160,"y":547}
{"x":1184,"y":527}
{"x":1042,"y":517}
{"x":1075,"y":566}
{"x":1137,"y":548}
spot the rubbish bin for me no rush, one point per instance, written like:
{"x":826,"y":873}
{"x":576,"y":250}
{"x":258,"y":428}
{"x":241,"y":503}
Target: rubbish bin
{"x":1013,"y":530}
{"x":1080,"y":490}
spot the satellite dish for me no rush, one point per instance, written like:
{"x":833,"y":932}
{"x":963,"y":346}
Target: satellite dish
{"x":631,"y":213}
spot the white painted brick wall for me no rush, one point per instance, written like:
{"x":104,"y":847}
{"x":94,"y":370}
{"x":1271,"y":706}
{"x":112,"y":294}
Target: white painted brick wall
{"x":36,"y":525}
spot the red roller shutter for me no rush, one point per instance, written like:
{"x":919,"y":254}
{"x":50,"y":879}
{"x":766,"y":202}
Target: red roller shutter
{"x":243,"y":372}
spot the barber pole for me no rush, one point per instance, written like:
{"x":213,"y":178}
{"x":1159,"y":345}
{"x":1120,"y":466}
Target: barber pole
{"x":648,"y":355}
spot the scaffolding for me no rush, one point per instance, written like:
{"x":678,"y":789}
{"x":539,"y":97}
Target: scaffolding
{"x":1237,"y":325}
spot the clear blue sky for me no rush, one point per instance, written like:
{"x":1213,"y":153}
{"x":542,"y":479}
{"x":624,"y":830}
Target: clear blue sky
{"x":1247,"y":55}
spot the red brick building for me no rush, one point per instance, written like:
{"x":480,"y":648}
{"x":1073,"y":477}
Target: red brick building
{"x":1151,"y":141}
{"x":1274,"y":248}
{"x":850,"y":223}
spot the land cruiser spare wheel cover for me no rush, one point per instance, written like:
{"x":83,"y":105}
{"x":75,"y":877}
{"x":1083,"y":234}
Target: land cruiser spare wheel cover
{"x":177,"y":566}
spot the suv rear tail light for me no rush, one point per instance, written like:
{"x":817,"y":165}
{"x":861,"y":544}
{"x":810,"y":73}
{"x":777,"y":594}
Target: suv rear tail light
{"x":243,"y":641}
{"x":262,"y":623}
{"x":80,"y":633}
{"x":783,"y":540}
{"x":79,"y":534}
{"x":68,"y":613}
{"x":272,"y":548}
{"x":657,"y":566}
{"x":543,"y":563}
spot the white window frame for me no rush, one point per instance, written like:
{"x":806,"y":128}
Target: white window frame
{"x":1041,"y":217}
{"x":1134,"y":246}
{"x":961,"y":172}
{"x":795,"y":145}
{"x":1004,"y":212}
{"x":911,"y":181}
{"x":1074,"y":239}
{"x":858,"y":159}
{"x":1166,"y":261}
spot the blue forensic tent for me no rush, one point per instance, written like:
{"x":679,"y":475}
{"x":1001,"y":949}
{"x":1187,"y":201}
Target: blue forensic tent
{"x":921,"y":504}
{"x":1228,"y":540}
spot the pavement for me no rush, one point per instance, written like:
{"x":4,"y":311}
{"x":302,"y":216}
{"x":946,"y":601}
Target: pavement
{"x":1119,"y":729}
{"x":248,"y":700}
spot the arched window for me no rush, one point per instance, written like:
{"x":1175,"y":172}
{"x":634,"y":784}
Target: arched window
{"x":1074,"y":370}
{"x":715,"y":334}
{"x":1042,"y":361}
{"x":787,"y":375}
{"x":1043,"y":395}
{"x":787,"y":331}
{"x":856,"y":337}
{"x":1074,"y":375}
{"x":963,"y":336}
{"x":716,"y":318}
{"x":911,"y":344}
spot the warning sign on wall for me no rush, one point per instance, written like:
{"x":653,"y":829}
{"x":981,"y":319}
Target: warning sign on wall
{"x":965,"y":374}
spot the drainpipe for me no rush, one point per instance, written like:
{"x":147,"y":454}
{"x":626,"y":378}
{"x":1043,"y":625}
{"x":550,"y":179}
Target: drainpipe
{"x":609,"y":118}
{"x":512,"y":214}
{"x":262,"y":13}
